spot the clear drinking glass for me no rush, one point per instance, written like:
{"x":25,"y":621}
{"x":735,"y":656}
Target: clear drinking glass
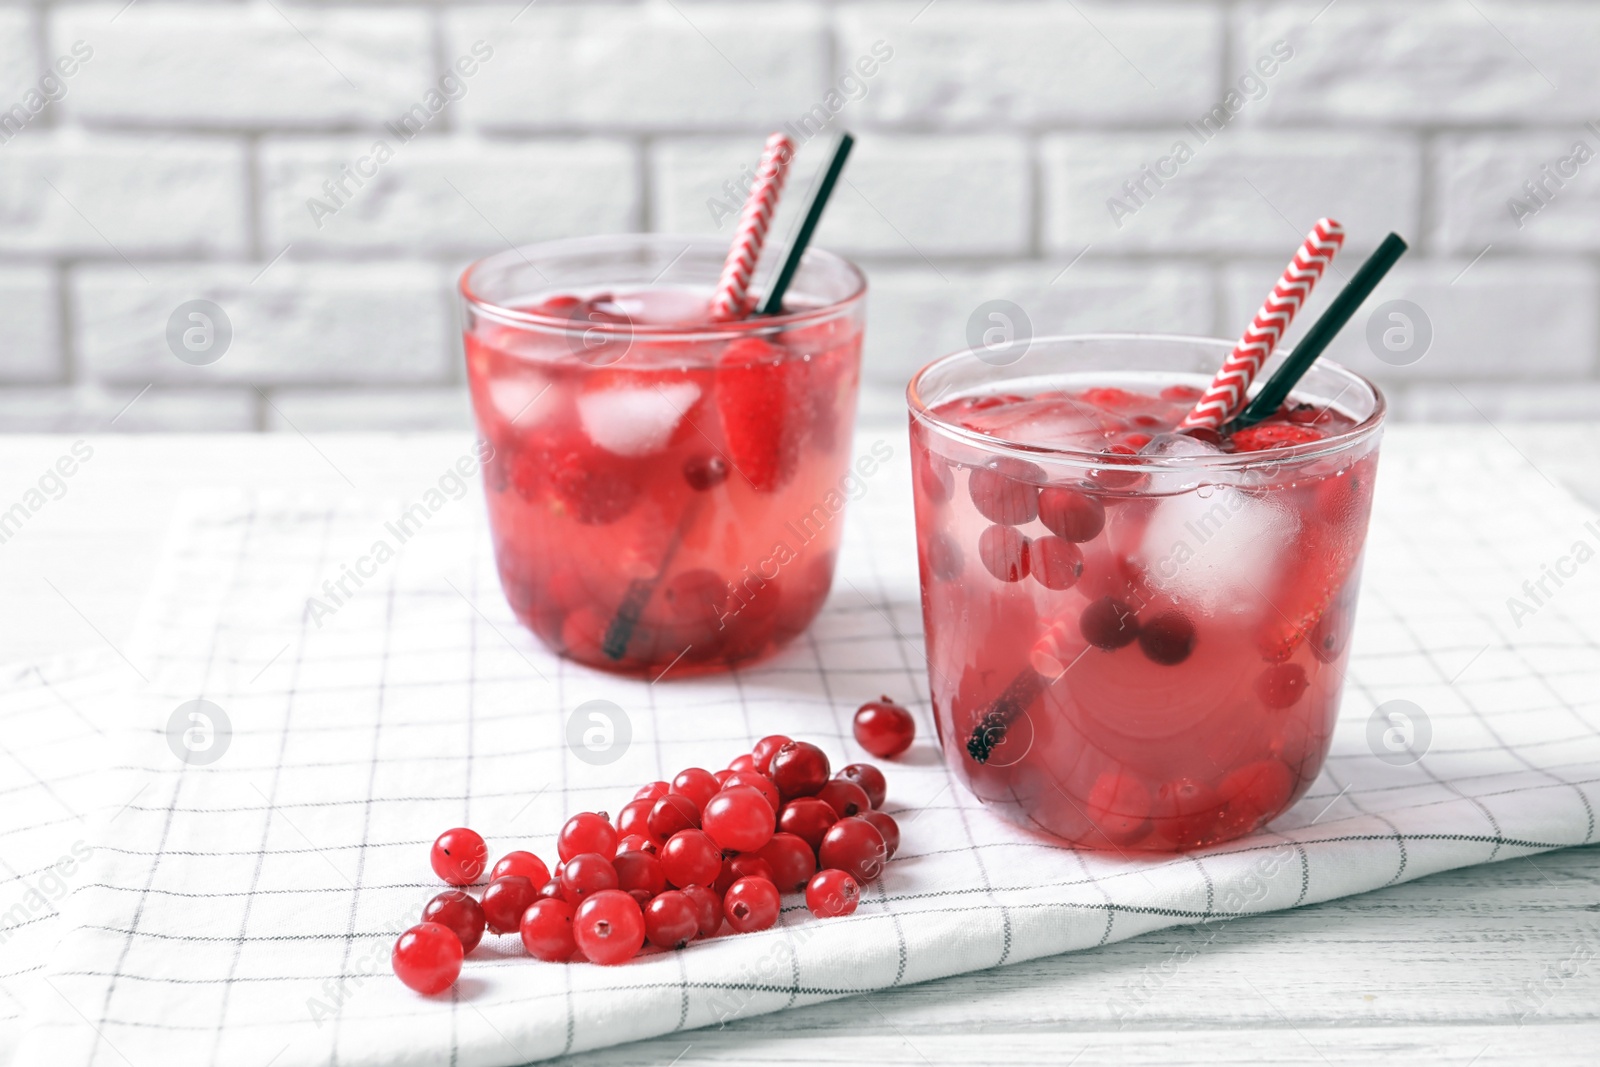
{"x":656,"y":478}
{"x":1135,"y":640}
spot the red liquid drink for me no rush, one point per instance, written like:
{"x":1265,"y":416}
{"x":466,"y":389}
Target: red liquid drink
{"x":1136,"y":639}
{"x":664,"y":491}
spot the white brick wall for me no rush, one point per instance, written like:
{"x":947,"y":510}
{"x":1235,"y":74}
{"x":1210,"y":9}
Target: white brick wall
{"x":175,"y":161}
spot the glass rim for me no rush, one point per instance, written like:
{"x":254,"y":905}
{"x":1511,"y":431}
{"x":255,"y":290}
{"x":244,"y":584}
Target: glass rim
{"x":1221,"y":462}
{"x":698,"y":332}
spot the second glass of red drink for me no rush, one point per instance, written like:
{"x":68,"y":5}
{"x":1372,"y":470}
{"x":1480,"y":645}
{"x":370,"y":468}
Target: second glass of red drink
{"x":662,"y":486}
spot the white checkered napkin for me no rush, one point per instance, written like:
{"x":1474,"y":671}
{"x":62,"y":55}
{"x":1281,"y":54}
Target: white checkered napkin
{"x":56,"y":790}
{"x":243,"y":910}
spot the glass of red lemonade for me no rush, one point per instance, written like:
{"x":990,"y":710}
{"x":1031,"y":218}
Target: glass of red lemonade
{"x":654,"y":485}
{"x":1136,"y":639}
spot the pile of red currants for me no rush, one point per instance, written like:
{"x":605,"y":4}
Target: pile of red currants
{"x":681,"y":859}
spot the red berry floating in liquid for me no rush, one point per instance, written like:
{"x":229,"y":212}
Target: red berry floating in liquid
{"x":1108,"y":623}
{"x":427,"y":958}
{"x":1056,"y":562}
{"x":884,"y":728}
{"x":609,"y":927}
{"x":1004,"y":553}
{"x":547,"y":931}
{"x":1282,"y":686}
{"x":461,"y":913}
{"x":832,"y":893}
{"x":1006,"y":491}
{"x":459,"y":856}
{"x":751,"y":904}
{"x":1167,"y":639}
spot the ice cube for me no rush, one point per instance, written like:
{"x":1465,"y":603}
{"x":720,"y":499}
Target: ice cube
{"x":635,"y":420}
{"x":1216,"y":548}
{"x":521,"y":401}
{"x":1176,"y":449}
{"x":1044,"y":422}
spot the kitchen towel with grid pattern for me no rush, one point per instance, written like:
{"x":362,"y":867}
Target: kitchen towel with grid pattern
{"x":242,"y":911}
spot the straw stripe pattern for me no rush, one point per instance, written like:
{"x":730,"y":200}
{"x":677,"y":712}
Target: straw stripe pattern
{"x":732,"y":300}
{"x":1226,"y":395}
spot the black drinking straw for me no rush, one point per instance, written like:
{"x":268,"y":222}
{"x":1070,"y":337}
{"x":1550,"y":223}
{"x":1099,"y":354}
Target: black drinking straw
{"x":773,"y":304}
{"x":1277,"y":388}
{"x":620,"y":630}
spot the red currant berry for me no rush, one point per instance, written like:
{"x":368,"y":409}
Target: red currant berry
{"x":808,"y":819}
{"x":854,"y":845}
{"x":722,"y":777}
{"x":1108,"y":623}
{"x":1167,"y":639}
{"x":652,"y":792}
{"x":1057,"y":563}
{"x":870,"y":779}
{"x":799,"y":769}
{"x":691,"y":857}
{"x":751,"y":904}
{"x":1005,"y":553}
{"x":670,"y":920}
{"x":707,"y":908}
{"x":832,"y":893}
{"x":639,"y":871}
{"x":792,"y":861}
{"x":1006,"y":490}
{"x":526,"y":864}
{"x":1070,"y":514}
{"x":671,"y":814}
{"x":745,"y":764}
{"x":587,"y":832}
{"x":696,"y":784}
{"x":756,"y":781}
{"x":505,"y":900}
{"x":740,"y":819}
{"x":888,"y":828}
{"x":705,"y":472}
{"x":461,"y":913}
{"x":547,"y":931}
{"x":845,"y":798}
{"x":1118,"y":806}
{"x":552,"y":890}
{"x":634,"y":818}
{"x":609,"y":927}
{"x":752,"y":866}
{"x":427,"y":957}
{"x":884,"y":728}
{"x":725,"y":877}
{"x":586,"y":874}
{"x":637,"y":843}
{"x":764,"y":750}
{"x":459,"y":857}
{"x":1281,"y":686}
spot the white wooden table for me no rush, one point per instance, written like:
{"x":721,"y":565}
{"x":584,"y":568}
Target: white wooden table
{"x":1493,"y":964}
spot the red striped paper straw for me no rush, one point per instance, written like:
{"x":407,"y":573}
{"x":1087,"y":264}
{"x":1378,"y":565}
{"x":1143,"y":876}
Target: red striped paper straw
{"x":732,"y":300}
{"x":1226,"y":395}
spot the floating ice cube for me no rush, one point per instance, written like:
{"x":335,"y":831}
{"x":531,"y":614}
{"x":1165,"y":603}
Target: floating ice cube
{"x":1182,"y":474}
{"x":1216,"y":547}
{"x":635,"y":420}
{"x":521,"y":401}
